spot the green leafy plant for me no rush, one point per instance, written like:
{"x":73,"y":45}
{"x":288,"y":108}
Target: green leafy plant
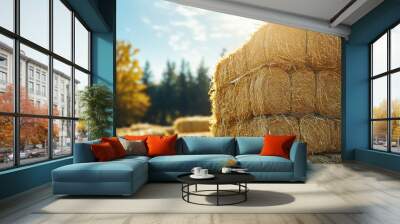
{"x":96,"y":102}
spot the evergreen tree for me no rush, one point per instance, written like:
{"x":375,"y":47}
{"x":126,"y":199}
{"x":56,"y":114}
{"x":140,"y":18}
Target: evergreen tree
{"x":147,"y":74}
{"x":168,"y":97}
{"x":182,"y":89}
{"x":203,"y":86}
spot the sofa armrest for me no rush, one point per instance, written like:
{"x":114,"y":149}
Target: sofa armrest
{"x":83,"y":152}
{"x":298,"y":155}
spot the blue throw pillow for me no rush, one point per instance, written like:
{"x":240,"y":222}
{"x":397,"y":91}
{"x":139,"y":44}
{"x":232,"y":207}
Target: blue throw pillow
{"x":207,"y":145}
{"x":249,"y":145}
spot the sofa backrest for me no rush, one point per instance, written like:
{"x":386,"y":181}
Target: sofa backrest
{"x":83,"y":152}
{"x":249,"y":145}
{"x":206,"y":145}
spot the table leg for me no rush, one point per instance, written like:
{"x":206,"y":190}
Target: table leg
{"x":245,"y":193}
{"x":217,"y":194}
{"x":195,"y":188}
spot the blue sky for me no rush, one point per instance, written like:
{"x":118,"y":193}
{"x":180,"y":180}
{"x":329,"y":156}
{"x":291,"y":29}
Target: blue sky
{"x":163,"y":30}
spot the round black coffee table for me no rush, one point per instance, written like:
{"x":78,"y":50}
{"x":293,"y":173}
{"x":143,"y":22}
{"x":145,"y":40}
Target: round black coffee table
{"x":238,"y":179}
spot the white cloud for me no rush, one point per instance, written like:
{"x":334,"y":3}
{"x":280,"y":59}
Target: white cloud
{"x":194,"y":26}
{"x":189,"y":11}
{"x":177,"y":43}
{"x":162,"y":4}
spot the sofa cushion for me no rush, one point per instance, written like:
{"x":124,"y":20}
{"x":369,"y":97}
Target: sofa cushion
{"x":103,"y":152}
{"x":185,"y":163}
{"x":83,"y":152}
{"x":249,"y":145}
{"x":116,"y":145}
{"x":112,"y":171}
{"x":134,"y":147}
{"x":257,"y":163}
{"x":206,"y":145}
{"x":161,"y":145}
{"x":277,"y":145}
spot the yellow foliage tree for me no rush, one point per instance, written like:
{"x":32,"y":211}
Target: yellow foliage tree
{"x":132,"y":100}
{"x":380,"y":127}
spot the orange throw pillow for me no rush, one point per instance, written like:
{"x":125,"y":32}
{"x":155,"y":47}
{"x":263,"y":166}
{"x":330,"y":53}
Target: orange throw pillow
{"x":103,"y":152}
{"x":116,"y":145}
{"x":277,"y":145}
{"x":161,"y":145}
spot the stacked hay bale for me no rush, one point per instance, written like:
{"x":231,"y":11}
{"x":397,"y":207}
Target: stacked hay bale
{"x":195,"y":124}
{"x":282,"y":81}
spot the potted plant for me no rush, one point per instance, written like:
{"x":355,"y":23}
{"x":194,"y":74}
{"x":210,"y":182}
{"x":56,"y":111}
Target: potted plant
{"x":96,"y":102}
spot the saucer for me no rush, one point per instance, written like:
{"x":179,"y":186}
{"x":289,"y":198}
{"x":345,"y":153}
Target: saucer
{"x":208,"y":176}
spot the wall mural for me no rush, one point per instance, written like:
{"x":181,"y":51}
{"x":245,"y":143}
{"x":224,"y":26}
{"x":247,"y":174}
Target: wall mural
{"x":282,"y":81}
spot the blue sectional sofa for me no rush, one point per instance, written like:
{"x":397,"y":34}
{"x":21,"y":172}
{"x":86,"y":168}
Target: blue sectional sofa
{"x":125,"y":176}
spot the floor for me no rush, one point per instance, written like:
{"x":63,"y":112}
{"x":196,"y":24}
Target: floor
{"x":379,"y":189}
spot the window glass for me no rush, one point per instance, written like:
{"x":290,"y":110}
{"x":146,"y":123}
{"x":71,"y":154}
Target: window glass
{"x":395,"y":136}
{"x":395,"y":47}
{"x":39,"y":62}
{"x":62,"y":89}
{"x":7,"y":14}
{"x":379,"y":56}
{"x":33,"y":140}
{"x":62,"y":29}
{"x":379,"y":135}
{"x":6,"y":142}
{"x":81,"y":82}
{"x":81,"y":45}
{"x":379,"y":100}
{"x":395,"y":94}
{"x":62,"y":138}
{"x":34,"y":21}
{"x":81,"y":131}
{"x":6,"y":74}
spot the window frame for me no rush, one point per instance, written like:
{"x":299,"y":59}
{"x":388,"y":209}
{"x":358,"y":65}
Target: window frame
{"x":16,"y":114}
{"x":388,"y":74}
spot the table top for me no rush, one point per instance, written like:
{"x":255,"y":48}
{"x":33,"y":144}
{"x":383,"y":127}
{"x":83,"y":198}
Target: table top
{"x":220,"y":178}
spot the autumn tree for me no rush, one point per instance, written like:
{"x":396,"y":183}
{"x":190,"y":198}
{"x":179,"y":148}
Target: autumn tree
{"x":33,"y":131}
{"x":131,"y":98}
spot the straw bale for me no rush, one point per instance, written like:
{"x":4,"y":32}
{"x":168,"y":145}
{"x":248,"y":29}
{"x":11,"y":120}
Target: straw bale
{"x":285,"y":46}
{"x":323,"y":51}
{"x":235,"y":65}
{"x":221,"y":72}
{"x":223,"y":105}
{"x":336,"y":144}
{"x":240,"y":101}
{"x":303,"y":92}
{"x":283,"y":125}
{"x":319,"y":133}
{"x":328,"y":93}
{"x":192,"y":124}
{"x":270,"y":92}
{"x":222,"y":128}
{"x":255,"y":53}
{"x":240,"y":128}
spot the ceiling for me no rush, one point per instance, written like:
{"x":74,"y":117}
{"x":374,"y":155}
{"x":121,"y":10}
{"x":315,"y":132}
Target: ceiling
{"x":327,"y":16}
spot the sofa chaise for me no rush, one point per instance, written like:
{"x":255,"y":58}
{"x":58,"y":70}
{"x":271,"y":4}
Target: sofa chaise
{"x":125,"y":176}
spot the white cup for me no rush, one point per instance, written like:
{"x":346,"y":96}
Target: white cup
{"x":226,"y":170}
{"x":203,"y":172}
{"x":196,"y":171}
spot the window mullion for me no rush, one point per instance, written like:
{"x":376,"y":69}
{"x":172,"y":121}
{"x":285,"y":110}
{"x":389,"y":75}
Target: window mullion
{"x":16,"y":85}
{"x":50,"y":81}
{"x":73,"y":82}
{"x":389,"y":104}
